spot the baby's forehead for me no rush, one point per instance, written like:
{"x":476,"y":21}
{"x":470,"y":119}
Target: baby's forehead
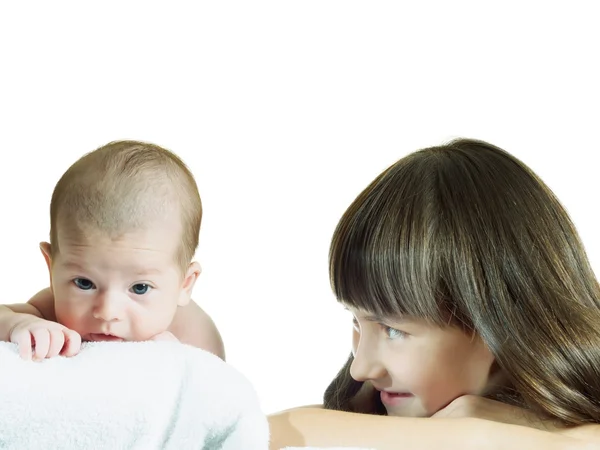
{"x":157,"y":235}
{"x":131,"y":251}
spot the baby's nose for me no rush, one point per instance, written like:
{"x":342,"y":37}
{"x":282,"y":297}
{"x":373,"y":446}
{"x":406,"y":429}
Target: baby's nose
{"x":108,"y":307}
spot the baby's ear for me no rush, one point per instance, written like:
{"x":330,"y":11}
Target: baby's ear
{"x":191,"y":275}
{"x":46,"y":249}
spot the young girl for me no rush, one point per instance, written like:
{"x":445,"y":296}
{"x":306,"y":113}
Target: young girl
{"x":472,"y":297}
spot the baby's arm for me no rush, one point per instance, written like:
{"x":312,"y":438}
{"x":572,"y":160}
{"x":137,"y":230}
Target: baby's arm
{"x":19,"y":308}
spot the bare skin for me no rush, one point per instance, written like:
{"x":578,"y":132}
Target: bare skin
{"x":191,"y":324}
{"x":320,"y":428}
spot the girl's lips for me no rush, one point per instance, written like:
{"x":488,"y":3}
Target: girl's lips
{"x":394,"y":398}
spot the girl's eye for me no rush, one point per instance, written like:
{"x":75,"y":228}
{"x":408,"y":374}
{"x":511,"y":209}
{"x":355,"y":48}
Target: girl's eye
{"x":393,"y":333}
{"x":84,"y":284}
{"x":140,"y":288}
{"x":355,"y":324}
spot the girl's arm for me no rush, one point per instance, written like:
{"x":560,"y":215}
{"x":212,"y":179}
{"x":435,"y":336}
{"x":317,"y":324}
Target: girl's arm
{"x":319,"y":427}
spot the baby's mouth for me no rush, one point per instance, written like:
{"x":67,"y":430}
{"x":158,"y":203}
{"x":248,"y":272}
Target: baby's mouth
{"x":101,"y":337}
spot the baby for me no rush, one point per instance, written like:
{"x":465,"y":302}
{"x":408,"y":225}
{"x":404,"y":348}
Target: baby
{"x":124,"y":226}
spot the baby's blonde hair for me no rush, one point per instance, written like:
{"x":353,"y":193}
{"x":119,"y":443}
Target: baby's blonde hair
{"x":121,"y":187}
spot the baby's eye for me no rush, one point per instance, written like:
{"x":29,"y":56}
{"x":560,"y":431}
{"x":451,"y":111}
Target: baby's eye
{"x":84,"y":284}
{"x":393,"y":333}
{"x":140,"y":288}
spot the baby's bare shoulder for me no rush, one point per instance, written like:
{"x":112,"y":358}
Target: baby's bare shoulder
{"x":40,"y":305}
{"x":193,"y":326}
{"x":44,"y":303}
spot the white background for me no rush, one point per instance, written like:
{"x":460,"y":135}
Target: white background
{"x":285,"y":111}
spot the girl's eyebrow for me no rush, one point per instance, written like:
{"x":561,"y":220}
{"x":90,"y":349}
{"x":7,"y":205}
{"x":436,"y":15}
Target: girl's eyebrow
{"x":378,"y":317}
{"x":375,"y":318}
{"x":385,"y":319}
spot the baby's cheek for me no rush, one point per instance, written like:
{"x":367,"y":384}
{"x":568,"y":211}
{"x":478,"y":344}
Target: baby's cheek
{"x":147,"y":323}
{"x":68,"y":317}
{"x":69,"y":311}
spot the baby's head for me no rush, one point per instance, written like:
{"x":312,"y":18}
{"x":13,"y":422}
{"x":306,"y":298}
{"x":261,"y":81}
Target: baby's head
{"x":125,"y":220}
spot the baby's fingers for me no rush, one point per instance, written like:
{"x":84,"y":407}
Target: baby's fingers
{"x":57,"y":341}
{"x":72,"y":343}
{"x":23,"y":339}
{"x":41,"y":339}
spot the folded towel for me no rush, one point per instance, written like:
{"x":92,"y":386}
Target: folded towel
{"x":128,"y":395}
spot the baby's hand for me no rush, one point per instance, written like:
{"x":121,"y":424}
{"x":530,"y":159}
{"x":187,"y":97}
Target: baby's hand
{"x":40,"y":338}
{"x":164,"y":336}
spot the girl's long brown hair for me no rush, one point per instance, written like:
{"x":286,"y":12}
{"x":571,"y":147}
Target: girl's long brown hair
{"x":467,"y":231}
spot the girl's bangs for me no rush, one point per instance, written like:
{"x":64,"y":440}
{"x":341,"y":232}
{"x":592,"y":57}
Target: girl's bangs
{"x":385,"y":254}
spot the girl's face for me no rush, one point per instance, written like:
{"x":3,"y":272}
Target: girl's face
{"x":418,"y":368}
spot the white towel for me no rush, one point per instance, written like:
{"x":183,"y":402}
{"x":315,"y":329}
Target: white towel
{"x":126,"y":395}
